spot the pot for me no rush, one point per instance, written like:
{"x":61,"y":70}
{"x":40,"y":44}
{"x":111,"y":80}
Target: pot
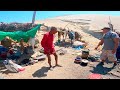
{"x":85,"y":54}
{"x":84,"y":62}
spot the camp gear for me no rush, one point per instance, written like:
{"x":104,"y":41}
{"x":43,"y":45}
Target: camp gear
{"x":25,"y":61}
{"x":84,"y":62}
{"x":85,"y":54}
{"x":78,"y":60}
{"x":92,"y":58}
{"x":17,"y":35}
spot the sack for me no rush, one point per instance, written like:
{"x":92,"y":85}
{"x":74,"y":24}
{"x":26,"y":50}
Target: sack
{"x":12,"y":66}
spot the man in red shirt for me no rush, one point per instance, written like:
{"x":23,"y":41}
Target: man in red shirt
{"x":48,"y":45}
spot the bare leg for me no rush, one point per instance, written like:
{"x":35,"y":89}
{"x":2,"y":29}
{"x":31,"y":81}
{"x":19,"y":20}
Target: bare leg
{"x":56,"y":60}
{"x":49,"y":60}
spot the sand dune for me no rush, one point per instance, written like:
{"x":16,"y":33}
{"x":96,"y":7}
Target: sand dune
{"x":96,"y":21}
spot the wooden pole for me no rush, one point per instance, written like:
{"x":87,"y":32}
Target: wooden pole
{"x":110,"y":24}
{"x":33,"y":18}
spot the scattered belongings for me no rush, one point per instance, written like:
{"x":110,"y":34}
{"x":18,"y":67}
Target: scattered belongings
{"x":42,"y":50}
{"x":36,"y":54}
{"x":41,"y":57}
{"x":95,"y":76}
{"x":78,"y":60}
{"x":85,"y":54}
{"x":25,"y":62}
{"x":93,"y":58}
{"x":32,"y":60}
{"x":60,"y":43}
{"x":62,"y":52}
{"x":84,"y":62}
{"x":11,"y":66}
{"x":78,"y":45}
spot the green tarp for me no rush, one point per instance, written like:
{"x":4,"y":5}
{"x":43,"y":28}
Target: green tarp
{"x":17,"y":35}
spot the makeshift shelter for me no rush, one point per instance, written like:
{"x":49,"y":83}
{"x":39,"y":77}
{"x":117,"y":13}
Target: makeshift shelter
{"x":17,"y":35}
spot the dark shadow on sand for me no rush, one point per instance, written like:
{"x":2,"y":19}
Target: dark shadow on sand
{"x":95,"y":34}
{"x":41,"y":72}
{"x":100,"y":69}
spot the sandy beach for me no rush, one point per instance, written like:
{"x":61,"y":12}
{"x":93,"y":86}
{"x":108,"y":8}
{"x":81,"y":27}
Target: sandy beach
{"x":69,"y":69}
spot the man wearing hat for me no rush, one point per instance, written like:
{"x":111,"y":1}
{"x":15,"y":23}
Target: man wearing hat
{"x":110,"y":40}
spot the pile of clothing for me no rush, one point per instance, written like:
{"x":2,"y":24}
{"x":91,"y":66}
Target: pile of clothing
{"x":77,"y":45}
{"x":33,"y":59}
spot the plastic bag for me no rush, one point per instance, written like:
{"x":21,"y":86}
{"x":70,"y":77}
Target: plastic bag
{"x":11,"y":66}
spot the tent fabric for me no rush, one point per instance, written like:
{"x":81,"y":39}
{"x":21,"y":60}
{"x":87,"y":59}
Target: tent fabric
{"x":17,"y":35}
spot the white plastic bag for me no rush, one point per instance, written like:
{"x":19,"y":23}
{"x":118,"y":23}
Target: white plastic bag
{"x":11,"y":66}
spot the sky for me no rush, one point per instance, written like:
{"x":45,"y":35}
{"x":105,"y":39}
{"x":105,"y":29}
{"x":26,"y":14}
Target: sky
{"x":26,"y":16}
